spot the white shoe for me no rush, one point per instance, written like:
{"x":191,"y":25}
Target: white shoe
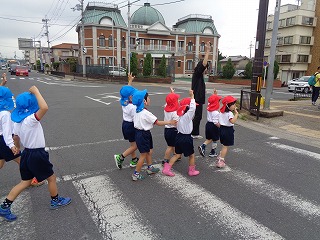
{"x":196,"y":136}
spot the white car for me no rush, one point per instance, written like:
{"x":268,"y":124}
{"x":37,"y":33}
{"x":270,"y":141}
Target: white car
{"x":3,"y":67}
{"x":117,"y":71}
{"x":300,"y":85}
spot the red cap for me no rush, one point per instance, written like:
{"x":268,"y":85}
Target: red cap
{"x":213,"y":102}
{"x":172,"y":102}
{"x":226,"y":100}
{"x":185,"y":101}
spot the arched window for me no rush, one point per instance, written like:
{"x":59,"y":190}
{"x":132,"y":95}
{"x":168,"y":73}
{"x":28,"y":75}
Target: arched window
{"x":202,"y":47}
{"x":190,"y":44}
{"x":102,"y":41}
{"x":111,"y":41}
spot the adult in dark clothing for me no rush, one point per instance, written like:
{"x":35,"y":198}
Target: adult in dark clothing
{"x":199,"y":89}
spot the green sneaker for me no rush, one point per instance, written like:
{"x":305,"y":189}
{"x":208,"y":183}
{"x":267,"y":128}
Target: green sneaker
{"x":152,"y":170}
{"x":118,"y":160}
{"x":136,"y":177}
{"x":133,"y":162}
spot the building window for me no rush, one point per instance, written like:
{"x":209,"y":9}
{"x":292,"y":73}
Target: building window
{"x":190,"y":44}
{"x":102,"y":41}
{"x":280,"y":41}
{"x":159,"y":44}
{"x":111,"y":61}
{"x":278,"y":58}
{"x":288,"y":40}
{"x":180,"y":46}
{"x":269,"y":25}
{"x":267,"y":42}
{"x":189,"y":65}
{"x":123,"y":62}
{"x":305,"y":40}
{"x":123,"y":42}
{"x":110,"y":41}
{"x":303,"y":58}
{"x":307,"y":20}
{"x":103,"y":61}
{"x":151,"y":44}
{"x":285,"y":58}
{"x":202,"y":47}
{"x":169,"y":44}
{"x":290,"y":21}
{"x":179,"y":64}
{"x":88,"y":61}
{"x":282,"y":23}
{"x":141,"y":43}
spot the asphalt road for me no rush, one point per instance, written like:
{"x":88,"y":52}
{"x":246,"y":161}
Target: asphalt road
{"x":269,"y":190}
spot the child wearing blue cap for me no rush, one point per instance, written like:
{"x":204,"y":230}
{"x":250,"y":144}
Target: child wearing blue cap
{"x":143,"y":123}
{"x":8,"y":150}
{"x":128,"y":131}
{"x":30,"y":109}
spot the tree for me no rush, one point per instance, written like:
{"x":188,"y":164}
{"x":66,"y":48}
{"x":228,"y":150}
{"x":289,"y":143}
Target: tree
{"x":55,"y":65}
{"x":147,"y":65}
{"x":248,"y":70}
{"x":220,"y":57}
{"x":134,"y":64}
{"x":228,"y":70}
{"x":275,"y":70}
{"x":163,"y":67}
{"x":73,"y":64}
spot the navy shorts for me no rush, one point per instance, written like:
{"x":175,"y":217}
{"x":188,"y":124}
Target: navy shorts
{"x":5,"y":151}
{"x":144,"y":141}
{"x":128,"y":131}
{"x":227,"y":135}
{"x":170,"y":136}
{"x":212,"y":131}
{"x":35,"y":163}
{"x":184,"y":144}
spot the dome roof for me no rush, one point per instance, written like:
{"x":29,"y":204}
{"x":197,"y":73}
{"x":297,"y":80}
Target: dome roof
{"x":147,"y":15}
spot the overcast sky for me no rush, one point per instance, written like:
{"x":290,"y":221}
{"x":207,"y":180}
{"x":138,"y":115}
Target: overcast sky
{"x":235,"y":20}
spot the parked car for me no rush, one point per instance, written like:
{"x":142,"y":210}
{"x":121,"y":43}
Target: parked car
{"x":13,"y":68}
{"x":3,"y":67}
{"x":117,"y":71}
{"x":22,"y":71}
{"x":292,"y":80}
{"x":300,"y":85}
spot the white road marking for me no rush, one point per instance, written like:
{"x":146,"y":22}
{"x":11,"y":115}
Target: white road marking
{"x":23,"y":227}
{"x":295,"y":150}
{"x":223,"y":214}
{"x":111,"y":212}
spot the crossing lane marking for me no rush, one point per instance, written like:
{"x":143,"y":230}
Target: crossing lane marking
{"x":111,"y":212}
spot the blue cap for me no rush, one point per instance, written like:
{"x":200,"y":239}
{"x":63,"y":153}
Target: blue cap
{"x":6,"y":101}
{"x":125,"y":93}
{"x":26,"y":104}
{"x":138,"y":99}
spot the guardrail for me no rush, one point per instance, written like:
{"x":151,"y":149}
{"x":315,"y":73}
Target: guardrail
{"x":298,"y":95}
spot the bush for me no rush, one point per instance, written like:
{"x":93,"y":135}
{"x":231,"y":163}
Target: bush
{"x":147,"y":65}
{"x":55,"y":65}
{"x":228,"y":70}
{"x":134,"y":64}
{"x":248,"y":70}
{"x":163,"y":67}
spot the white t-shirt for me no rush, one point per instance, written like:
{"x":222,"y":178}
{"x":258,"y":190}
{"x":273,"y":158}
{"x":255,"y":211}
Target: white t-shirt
{"x":185,"y":124}
{"x":6,"y":127}
{"x":30,"y":132}
{"x":144,"y":120}
{"x":213,"y":116}
{"x":224,"y":119}
{"x":168,"y":116}
{"x":128,"y":112}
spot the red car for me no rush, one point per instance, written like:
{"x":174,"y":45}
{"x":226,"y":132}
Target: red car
{"x":22,"y":71}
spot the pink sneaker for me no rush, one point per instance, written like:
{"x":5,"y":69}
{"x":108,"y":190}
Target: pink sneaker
{"x":167,"y":170}
{"x":193,"y":171}
{"x":220,"y":163}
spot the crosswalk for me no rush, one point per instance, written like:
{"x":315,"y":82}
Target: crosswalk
{"x":117,"y":214}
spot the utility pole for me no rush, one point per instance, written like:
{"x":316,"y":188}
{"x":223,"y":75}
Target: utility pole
{"x":259,"y":49}
{"x":82,"y":42}
{"x":250,"y":47}
{"x":45,"y":21}
{"x":270,"y":76}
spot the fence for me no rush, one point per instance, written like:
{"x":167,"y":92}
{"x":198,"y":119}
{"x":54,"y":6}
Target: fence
{"x":250,"y":101}
{"x":299,"y":95}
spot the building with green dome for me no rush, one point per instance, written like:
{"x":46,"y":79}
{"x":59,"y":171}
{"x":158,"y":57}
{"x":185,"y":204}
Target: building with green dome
{"x":107,"y":42}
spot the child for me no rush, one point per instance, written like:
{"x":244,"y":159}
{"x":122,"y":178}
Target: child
{"x":170,"y":131}
{"x":143,"y":123}
{"x":128,"y":131}
{"x":30,"y":108}
{"x":8,"y":150}
{"x":226,"y":120}
{"x":184,"y":141}
{"x":212,"y":125}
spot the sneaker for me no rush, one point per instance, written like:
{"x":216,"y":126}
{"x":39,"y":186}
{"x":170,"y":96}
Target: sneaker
{"x":313,"y":103}
{"x":6,"y":214}
{"x":60,"y":203}
{"x":164,"y":161}
{"x":196,"y":136}
{"x":136,"y":177}
{"x":133,"y":162}
{"x":35,"y":183}
{"x":118,"y":160}
{"x":220,"y":163}
{"x":213,"y":153}
{"x":202,"y":150}
{"x":152,"y":170}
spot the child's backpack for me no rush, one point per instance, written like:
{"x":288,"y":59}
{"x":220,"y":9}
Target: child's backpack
{"x":312,"y":80}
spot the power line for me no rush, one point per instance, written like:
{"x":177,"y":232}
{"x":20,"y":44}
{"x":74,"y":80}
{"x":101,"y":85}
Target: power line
{"x":19,"y":20}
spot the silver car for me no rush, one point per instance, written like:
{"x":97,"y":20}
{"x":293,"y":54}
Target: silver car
{"x":300,"y":85}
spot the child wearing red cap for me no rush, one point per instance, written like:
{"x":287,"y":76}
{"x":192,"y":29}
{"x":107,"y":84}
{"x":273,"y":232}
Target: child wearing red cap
{"x":170,"y":131}
{"x":226,"y":120}
{"x":212,"y":125}
{"x":184,"y":141}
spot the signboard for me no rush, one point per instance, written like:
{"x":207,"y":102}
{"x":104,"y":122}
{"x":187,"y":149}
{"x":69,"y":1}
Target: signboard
{"x":25,"y":43}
